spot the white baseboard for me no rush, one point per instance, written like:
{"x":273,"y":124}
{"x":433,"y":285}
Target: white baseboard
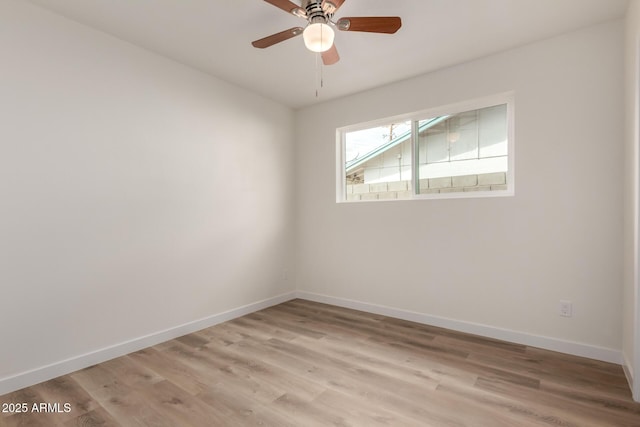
{"x":627,"y":367}
{"x":554,"y":344}
{"x":44,"y":373}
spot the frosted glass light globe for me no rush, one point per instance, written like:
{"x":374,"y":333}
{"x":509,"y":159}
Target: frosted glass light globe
{"x":318,"y":37}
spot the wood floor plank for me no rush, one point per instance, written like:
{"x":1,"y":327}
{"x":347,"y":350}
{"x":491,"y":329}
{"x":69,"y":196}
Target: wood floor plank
{"x":525,"y":410}
{"x":380,"y":368}
{"x":65,"y":390}
{"x":359,"y":346}
{"x":242,"y":408}
{"x":303,"y":363}
{"x":132,"y":373}
{"x":265,"y":373}
{"x":560,"y":404}
{"x":180,"y":407}
{"x":96,"y":417}
{"x":335,"y":408}
{"x":114,"y":383}
{"x":339,"y":378}
{"x":171,"y":369}
{"x":30,"y":420}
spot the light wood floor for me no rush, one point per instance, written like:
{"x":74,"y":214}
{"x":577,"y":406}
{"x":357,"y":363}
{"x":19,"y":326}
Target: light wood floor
{"x":308,"y":364}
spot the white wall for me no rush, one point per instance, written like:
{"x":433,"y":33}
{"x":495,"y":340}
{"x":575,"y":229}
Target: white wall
{"x":502,"y":264}
{"x":136,"y":194}
{"x":631,"y":333}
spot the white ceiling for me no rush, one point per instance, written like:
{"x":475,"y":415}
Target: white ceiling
{"x":215,"y":36}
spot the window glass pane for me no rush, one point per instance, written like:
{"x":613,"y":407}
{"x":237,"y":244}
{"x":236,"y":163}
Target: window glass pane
{"x":462,"y":136}
{"x":378,"y":162}
{"x":433,"y":141}
{"x":463,"y":152}
{"x":493,"y":131}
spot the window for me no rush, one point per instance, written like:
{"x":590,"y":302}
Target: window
{"x":464,"y":150}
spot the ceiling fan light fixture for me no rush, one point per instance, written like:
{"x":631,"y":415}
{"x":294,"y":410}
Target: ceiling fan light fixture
{"x":318,"y":37}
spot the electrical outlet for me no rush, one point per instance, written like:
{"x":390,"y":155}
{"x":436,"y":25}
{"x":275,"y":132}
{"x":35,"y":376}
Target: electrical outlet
{"x":566,"y":308}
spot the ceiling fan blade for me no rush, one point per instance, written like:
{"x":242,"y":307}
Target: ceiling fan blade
{"x":288,"y":7}
{"x":331,"y":56}
{"x":378,"y":24}
{"x":331,"y":6}
{"x":277,"y":38}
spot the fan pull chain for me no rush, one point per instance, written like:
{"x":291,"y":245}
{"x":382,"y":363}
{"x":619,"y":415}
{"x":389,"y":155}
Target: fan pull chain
{"x":317,"y":66}
{"x":319,"y":75}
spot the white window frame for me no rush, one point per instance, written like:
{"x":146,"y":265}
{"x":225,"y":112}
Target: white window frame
{"x":507,"y":98}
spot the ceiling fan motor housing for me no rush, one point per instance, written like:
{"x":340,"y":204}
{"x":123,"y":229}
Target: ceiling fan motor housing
{"x":316,"y":12}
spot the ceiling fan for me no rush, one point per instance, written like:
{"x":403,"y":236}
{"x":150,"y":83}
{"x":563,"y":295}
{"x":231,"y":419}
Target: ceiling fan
{"x":318,"y":34}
